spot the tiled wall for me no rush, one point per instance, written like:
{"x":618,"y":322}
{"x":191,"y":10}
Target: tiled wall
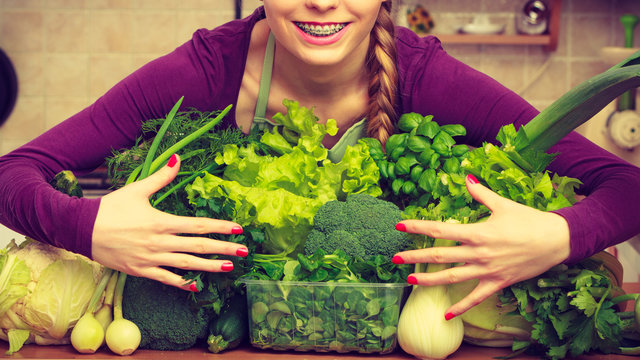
{"x":68,"y":52}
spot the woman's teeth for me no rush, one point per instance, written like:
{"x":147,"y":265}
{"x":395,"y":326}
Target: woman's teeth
{"x":320,"y":30}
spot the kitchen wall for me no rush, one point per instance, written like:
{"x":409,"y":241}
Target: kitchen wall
{"x":68,"y":52}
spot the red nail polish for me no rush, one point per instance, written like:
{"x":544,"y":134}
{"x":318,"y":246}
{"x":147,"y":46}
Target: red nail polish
{"x":242,"y":252}
{"x":227,"y":266}
{"x":193,"y":287}
{"x":401,"y":227}
{"x":472,"y":179}
{"x":449,"y":316}
{"x":172,"y":161}
{"x":412,"y":280}
{"x":236,"y":230}
{"x":397,"y":260}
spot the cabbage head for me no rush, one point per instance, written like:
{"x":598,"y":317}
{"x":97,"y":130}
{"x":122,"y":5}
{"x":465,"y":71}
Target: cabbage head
{"x":44,"y":290}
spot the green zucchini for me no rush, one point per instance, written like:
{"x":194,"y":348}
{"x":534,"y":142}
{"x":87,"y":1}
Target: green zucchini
{"x":231,"y":328}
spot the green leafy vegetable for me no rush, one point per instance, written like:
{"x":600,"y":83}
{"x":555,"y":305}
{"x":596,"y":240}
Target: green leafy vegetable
{"x":342,"y":314}
{"x":279,"y":185}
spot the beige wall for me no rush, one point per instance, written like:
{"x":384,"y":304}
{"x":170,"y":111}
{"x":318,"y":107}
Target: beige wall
{"x":69,"y":52}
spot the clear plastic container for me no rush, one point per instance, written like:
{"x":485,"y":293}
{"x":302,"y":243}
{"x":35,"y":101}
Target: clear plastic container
{"x":324,"y":316}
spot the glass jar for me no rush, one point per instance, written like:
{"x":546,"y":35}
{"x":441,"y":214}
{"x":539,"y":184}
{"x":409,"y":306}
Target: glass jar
{"x":532,"y":17}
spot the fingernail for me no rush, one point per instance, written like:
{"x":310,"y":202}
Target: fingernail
{"x":242,"y":252}
{"x":193,"y":287}
{"x":236,"y":230}
{"x":228,"y":266}
{"x":449,"y":316}
{"x":401,"y":227}
{"x":397,"y":260}
{"x":412,"y":280}
{"x":472,"y":179}
{"x":172,"y":161}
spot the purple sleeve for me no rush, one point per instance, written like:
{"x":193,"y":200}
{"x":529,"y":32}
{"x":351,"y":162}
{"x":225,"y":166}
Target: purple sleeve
{"x":30,"y":206}
{"x":608,"y":215}
{"x":432,"y":82}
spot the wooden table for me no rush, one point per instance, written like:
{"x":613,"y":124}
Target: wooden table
{"x":466,"y":351}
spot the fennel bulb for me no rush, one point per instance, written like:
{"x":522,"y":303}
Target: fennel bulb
{"x":422,"y":330}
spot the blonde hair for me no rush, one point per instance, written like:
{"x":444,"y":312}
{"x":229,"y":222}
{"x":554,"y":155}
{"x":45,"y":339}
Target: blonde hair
{"x":383,"y":76}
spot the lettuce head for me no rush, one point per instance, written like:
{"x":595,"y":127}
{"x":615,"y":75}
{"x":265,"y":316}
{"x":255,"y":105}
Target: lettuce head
{"x":44,"y":290}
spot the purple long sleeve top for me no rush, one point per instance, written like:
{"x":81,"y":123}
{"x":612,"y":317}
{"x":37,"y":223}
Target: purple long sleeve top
{"x":207,"y":70}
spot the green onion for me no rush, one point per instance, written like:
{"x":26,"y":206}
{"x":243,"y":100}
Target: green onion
{"x":158,"y":139}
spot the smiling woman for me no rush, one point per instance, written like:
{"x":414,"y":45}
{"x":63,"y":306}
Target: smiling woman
{"x":8,"y":87}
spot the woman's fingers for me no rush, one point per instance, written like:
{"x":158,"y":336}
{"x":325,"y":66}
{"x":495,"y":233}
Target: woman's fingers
{"x":481,"y":292}
{"x":161,"y":178}
{"x":484,"y":195}
{"x":464,"y":233}
{"x":439,"y":255}
{"x":175,"y":224}
{"x":166,"y":277}
{"x":199,"y":245}
{"x":448,"y":276}
{"x":193,"y":262}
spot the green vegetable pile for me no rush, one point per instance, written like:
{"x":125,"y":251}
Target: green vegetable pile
{"x":573,"y":317}
{"x":271,"y":182}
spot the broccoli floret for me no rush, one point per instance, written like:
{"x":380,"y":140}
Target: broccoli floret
{"x":167,"y":317}
{"x":362,"y":226}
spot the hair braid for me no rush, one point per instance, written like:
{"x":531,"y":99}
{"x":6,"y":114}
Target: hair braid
{"x":383,"y":75}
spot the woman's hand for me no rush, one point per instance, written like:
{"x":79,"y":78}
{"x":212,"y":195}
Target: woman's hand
{"x":516,"y":243}
{"x":131,"y":236}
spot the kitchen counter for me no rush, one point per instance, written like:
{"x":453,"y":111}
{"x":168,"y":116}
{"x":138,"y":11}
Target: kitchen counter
{"x":466,"y":351}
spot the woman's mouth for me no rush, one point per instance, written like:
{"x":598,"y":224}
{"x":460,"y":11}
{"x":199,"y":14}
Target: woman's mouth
{"x":320,"y":30}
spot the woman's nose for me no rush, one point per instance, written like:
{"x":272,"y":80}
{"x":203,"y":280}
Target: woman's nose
{"x":323,"y":5}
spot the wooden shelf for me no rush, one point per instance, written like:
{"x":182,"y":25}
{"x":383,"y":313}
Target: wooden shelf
{"x":549,"y":40}
{"x":495,"y":39}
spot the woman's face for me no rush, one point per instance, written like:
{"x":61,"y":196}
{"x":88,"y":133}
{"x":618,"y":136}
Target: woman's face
{"x":323,"y":32}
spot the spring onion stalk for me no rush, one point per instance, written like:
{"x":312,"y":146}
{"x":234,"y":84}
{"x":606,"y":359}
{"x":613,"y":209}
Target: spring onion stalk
{"x":162,"y":158}
{"x":88,"y":335}
{"x":104,"y":315}
{"x":122,"y":336}
{"x":182,"y":183}
{"x":156,"y":141}
{"x":580,"y":104}
{"x":422,"y":329}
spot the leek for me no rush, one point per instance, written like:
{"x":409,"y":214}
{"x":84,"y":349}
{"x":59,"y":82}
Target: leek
{"x":576,"y":107}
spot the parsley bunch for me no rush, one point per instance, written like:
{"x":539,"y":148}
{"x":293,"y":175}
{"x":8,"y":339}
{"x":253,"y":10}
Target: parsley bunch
{"x":574,"y":311}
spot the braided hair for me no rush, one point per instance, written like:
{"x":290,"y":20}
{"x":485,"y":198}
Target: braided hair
{"x":383,"y":77}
